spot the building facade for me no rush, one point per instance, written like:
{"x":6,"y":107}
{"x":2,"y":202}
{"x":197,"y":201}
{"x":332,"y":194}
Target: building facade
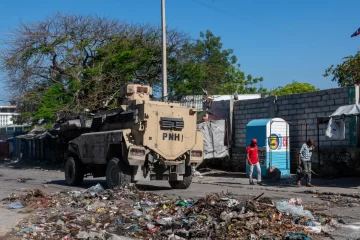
{"x":7,"y":114}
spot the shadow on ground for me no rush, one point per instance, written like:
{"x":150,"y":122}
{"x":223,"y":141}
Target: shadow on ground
{"x":337,"y":183}
{"x":225,"y":174}
{"x":145,"y":187}
{"x":39,"y":165}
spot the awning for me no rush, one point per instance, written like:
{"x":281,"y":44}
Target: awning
{"x":347,"y":111}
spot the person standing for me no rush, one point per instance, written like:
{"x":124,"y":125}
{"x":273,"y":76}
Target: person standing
{"x":305,"y":154}
{"x":253,"y":160}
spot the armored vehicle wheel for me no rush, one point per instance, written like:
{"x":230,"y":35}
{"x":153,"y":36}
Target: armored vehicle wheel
{"x":116,"y":174}
{"x":74,"y":173}
{"x":185,"y":183}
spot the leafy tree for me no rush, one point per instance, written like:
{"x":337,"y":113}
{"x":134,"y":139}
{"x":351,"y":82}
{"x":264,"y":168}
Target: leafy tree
{"x":69,"y":63}
{"x":204,"y":64}
{"x":346,"y":73}
{"x":293,"y":88}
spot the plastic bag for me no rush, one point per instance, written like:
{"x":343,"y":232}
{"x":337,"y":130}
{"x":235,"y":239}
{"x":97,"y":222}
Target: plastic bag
{"x":15,"y":205}
{"x":313,"y":229}
{"x":294,"y":210}
{"x":97,"y":189}
{"x":137,"y":213}
{"x":26,"y":230}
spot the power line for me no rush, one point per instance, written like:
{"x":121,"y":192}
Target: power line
{"x":258,"y":23}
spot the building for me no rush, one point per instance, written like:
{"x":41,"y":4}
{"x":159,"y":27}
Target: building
{"x":197,"y":101}
{"x":7,"y":114}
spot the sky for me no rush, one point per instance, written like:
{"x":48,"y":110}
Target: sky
{"x":278,"y":40}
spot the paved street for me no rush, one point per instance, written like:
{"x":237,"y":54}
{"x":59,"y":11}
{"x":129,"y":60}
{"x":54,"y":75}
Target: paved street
{"x":53,"y":181}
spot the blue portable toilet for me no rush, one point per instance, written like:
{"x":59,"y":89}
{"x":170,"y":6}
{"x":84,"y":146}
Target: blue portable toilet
{"x":273,"y":142}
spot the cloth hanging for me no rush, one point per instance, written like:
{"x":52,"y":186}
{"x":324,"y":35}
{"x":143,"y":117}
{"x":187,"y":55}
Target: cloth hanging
{"x":336,"y":129}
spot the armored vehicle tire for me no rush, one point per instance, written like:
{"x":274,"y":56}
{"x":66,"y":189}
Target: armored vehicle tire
{"x":116,"y":174}
{"x":74,"y":174}
{"x":185,"y":183}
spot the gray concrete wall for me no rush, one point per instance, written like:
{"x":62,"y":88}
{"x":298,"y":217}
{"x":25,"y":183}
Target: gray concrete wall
{"x":296,"y":108}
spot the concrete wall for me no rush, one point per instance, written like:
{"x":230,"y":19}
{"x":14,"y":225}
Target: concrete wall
{"x":296,"y":108}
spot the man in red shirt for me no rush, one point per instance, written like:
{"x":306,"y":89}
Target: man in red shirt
{"x":253,"y":160}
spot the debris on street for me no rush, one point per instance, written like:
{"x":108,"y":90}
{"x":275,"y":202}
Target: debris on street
{"x":294,"y":207}
{"x":15,"y":205}
{"x":23,"y":180}
{"x":127,"y":213}
{"x":337,"y":199}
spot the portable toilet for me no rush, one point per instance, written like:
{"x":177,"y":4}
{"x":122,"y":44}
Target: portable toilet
{"x":273,"y":143}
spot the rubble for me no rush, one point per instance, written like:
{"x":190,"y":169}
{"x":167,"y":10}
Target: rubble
{"x":127,"y":213}
{"x":337,"y":199}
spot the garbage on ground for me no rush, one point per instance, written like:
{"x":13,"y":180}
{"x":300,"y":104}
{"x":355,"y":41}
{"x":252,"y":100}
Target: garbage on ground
{"x":97,"y":189}
{"x":313,"y":229}
{"x":15,"y":205}
{"x":297,"y":236}
{"x":293,"y":207}
{"x":197,"y":174}
{"x":337,"y":199}
{"x":23,"y":180}
{"x":127,"y":212}
{"x":273,"y":173}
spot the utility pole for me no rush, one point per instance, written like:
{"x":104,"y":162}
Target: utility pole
{"x":164,"y":67}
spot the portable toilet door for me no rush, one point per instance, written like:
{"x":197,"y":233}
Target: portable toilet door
{"x":279,"y":146}
{"x":273,"y":144}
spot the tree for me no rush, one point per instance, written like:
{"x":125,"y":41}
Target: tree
{"x":69,"y":63}
{"x":293,"y":88}
{"x":346,"y":73}
{"x":206,"y":65}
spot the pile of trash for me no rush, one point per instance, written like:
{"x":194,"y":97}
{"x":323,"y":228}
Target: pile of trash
{"x":96,"y":213}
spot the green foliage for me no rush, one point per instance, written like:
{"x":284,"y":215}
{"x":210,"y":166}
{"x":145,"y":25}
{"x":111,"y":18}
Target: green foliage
{"x":346,"y":73}
{"x":54,"y":98}
{"x":69,"y":63}
{"x":206,"y":65}
{"x":48,"y":125}
{"x":293,"y":88}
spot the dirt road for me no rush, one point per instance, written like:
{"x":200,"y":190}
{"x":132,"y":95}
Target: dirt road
{"x":19,"y":180}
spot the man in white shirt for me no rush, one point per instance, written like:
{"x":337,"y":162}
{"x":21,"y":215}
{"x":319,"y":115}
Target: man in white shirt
{"x":305,"y":154}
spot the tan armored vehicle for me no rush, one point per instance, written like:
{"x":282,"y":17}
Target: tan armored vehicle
{"x":142,"y":140}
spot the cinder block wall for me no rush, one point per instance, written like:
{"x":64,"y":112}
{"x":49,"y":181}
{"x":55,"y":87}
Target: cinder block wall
{"x":296,"y":108}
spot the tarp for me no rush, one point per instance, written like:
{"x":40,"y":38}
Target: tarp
{"x":336,"y":124}
{"x":336,"y":129}
{"x":348,"y":110}
{"x":37,"y":133}
{"x":214,"y":138}
{"x":222,"y":110}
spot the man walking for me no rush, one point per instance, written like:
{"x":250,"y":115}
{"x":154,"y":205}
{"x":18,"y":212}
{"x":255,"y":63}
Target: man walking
{"x":305,"y":162}
{"x":253,"y":160}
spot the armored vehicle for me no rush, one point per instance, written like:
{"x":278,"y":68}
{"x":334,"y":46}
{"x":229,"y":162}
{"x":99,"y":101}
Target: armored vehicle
{"x":141,"y":140}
